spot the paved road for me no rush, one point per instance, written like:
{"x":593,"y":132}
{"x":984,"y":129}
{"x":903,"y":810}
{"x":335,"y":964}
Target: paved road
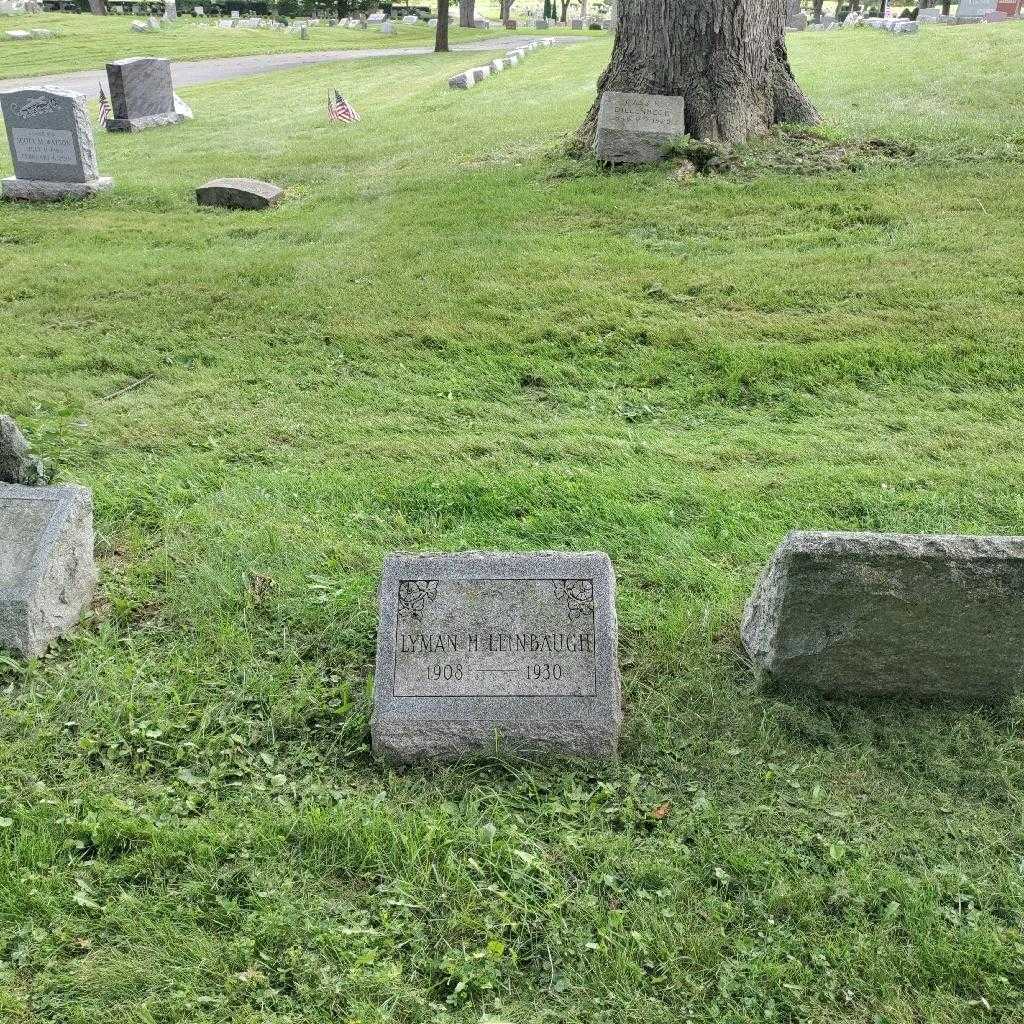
{"x":198,"y":72}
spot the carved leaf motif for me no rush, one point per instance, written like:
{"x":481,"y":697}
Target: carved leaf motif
{"x":578,"y":596}
{"x":413,"y":596}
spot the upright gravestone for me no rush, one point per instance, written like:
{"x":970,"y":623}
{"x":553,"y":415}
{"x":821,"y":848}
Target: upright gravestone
{"x":633,"y":128}
{"x":52,"y":147}
{"x":47,"y":572}
{"x":141,"y":94}
{"x":886,"y":613}
{"x":171,"y":10}
{"x":975,"y":10}
{"x":488,"y":653}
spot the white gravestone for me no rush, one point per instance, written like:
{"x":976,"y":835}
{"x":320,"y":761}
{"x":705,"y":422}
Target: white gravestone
{"x":633,"y":128}
{"x":50,"y":136}
{"x":486,"y":653}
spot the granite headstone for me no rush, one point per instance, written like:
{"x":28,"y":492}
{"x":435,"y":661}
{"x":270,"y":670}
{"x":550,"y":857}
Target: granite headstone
{"x":239,"y":194}
{"x":50,"y":136}
{"x":487,"y":653}
{"x":633,"y":128}
{"x":141,"y":94}
{"x":47,"y":571}
{"x":898,"y":614}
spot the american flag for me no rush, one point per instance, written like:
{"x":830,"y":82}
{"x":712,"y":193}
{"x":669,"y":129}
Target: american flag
{"x":105,"y":111}
{"x":339,"y":109}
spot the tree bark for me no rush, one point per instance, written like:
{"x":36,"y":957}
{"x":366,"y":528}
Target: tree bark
{"x":727,"y":58}
{"x":467,"y":13}
{"x":506,"y":9}
{"x":817,"y":10}
{"x":441,"y":38}
{"x":565,"y":11}
{"x":97,"y":7}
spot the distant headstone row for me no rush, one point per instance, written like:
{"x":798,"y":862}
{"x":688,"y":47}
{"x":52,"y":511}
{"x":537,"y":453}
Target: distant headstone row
{"x":467,"y":79}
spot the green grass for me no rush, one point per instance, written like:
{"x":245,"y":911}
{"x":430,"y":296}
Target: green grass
{"x":450,"y":336}
{"x":86,"y":42}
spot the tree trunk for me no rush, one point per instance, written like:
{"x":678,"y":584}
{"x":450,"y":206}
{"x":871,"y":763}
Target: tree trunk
{"x":727,"y":58}
{"x":441,"y":38}
{"x":342,"y":9}
{"x":506,"y":9}
{"x":584,"y":9}
{"x":565,"y":10}
{"x":467,"y":13}
{"x":97,"y":7}
{"x":818,"y":5}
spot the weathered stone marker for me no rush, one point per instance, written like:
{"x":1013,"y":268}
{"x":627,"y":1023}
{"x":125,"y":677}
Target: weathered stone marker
{"x":239,"y":193}
{"x":633,"y":128}
{"x":47,"y":573}
{"x":884,"y":614}
{"x":17,"y":463}
{"x":141,"y":94}
{"x":488,"y":653}
{"x":51,"y":145}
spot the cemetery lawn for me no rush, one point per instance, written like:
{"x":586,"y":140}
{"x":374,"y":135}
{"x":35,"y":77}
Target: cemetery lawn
{"x":86,"y":42}
{"x":451,"y":336}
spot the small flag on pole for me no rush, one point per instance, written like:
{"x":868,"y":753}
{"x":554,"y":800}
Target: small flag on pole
{"x":105,"y":111}
{"x":339,"y":109}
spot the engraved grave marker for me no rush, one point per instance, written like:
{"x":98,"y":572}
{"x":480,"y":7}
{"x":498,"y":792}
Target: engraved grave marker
{"x":633,"y":128}
{"x":52,"y":146}
{"x":483,"y":653}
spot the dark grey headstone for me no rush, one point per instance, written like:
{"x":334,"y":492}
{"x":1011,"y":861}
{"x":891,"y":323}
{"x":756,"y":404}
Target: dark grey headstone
{"x":633,"y":128}
{"x":877,"y":613}
{"x":47,"y":572}
{"x":239,"y":193}
{"x":141,"y":94}
{"x":483,"y":653}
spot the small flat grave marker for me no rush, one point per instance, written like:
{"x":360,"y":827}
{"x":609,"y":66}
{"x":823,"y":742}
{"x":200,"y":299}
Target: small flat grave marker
{"x":633,"y":128}
{"x":239,"y":194}
{"x":483,"y":653}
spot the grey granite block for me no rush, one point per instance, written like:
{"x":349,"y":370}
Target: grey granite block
{"x":239,"y":193}
{"x":634,"y":128}
{"x":47,"y":572}
{"x":897,"y":614}
{"x":487,"y":653}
